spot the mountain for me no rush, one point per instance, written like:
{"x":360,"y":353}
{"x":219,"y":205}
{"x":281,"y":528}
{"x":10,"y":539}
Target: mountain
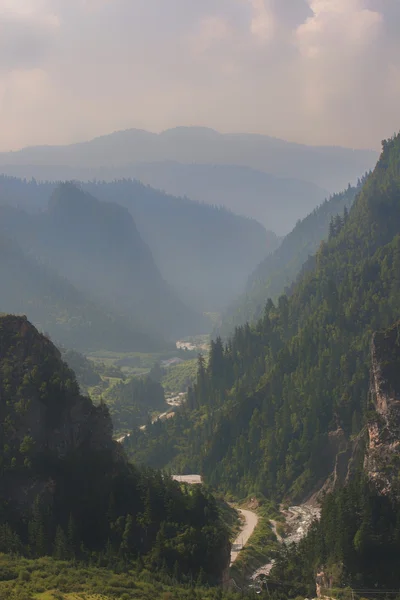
{"x":60,"y":309}
{"x":277,"y":272}
{"x":68,"y":491}
{"x":331,"y":168}
{"x":205,"y":253}
{"x":97,"y":247}
{"x":276,"y":405}
{"x":356,"y":543}
{"x":275,"y":202}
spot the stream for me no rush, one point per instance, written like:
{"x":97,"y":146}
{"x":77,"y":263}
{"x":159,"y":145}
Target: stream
{"x":298,"y":521}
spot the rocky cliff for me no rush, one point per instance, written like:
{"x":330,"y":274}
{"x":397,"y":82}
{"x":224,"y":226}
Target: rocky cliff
{"x":382,"y":460}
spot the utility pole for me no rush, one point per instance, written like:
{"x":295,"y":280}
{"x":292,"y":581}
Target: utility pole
{"x":266,"y":583}
{"x":243,"y":579}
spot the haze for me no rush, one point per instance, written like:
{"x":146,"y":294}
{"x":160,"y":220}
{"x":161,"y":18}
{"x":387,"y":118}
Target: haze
{"x":312,"y":71}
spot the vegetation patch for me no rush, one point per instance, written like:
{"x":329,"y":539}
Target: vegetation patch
{"x":179,"y":377}
{"x":49,"y":579}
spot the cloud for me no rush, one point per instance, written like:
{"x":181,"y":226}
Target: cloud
{"x":337,"y":45}
{"x":317,"y":71}
{"x":212,"y":31}
{"x":263,"y":21}
{"x":25,"y":37}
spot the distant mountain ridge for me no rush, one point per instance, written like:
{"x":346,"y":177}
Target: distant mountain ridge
{"x":205,"y":253}
{"x":274,"y":181}
{"x":97,"y":247}
{"x":276,"y":202}
{"x":330,"y":167}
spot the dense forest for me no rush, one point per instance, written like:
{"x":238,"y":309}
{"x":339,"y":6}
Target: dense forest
{"x":132,"y":403}
{"x":277,"y":272}
{"x":356,"y":544}
{"x":81,"y":499}
{"x":266,"y":412}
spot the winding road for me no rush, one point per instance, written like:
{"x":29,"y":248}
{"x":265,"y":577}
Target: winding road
{"x":249,"y":524}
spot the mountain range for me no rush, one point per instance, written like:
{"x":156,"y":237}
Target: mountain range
{"x":331,"y":168}
{"x":305,"y":402}
{"x":205,"y":253}
{"x":274,"y":181}
{"x":95,"y":245}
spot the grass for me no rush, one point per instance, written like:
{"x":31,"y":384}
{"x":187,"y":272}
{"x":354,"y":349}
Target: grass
{"x":55,"y":595}
{"x":49,"y":579}
{"x":178,"y":377}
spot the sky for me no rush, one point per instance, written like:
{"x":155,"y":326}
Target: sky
{"x":311,"y":71}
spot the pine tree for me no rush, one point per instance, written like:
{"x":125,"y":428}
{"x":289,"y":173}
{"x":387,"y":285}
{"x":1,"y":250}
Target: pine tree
{"x":127,"y":537}
{"x":72,"y":537}
{"x":60,"y":549}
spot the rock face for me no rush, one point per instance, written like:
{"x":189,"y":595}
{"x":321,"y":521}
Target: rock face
{"x":43,"y":417}
{"x":382,"y":458}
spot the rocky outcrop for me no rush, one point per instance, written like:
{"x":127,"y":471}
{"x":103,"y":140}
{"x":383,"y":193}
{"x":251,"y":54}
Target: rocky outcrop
{"x":382,"y":458}
{"x":323,"y":582}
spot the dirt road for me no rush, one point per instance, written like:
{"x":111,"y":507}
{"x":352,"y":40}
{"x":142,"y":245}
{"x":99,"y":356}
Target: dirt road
{"x":192,"y":479}
{"x":249,"y":524}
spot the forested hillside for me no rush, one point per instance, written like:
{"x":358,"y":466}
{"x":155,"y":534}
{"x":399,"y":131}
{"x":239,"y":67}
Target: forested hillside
{"x":269,"y":410}
{"x":356,"y":543}
{"x":67,"y":490}
{"x":206,"y":253}
{"x":97,"y":247}
{"x":132,"y":403}
{"x":277,"y":272}
{"x":67,"y":314}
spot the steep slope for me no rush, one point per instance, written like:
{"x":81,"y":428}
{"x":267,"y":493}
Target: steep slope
{"x":97,"y":247}
{"x":382,"y":458}
{"x":329,"y":167}
{"x":357,"y":541}
{"x":60,"y":309}
{"x":66,"y":488}
{"x":206,"y":253}
{"x":279,"y":270}
{"x":270,"y":401}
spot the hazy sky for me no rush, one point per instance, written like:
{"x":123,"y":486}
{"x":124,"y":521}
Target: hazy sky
{"x":316,"y":71}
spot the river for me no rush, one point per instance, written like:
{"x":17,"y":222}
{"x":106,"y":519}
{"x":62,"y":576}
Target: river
{"x":298,"y":521}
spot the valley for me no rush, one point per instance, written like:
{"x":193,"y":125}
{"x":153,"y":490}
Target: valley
{"x":199,"y":300}
{"x":258,"y":459}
